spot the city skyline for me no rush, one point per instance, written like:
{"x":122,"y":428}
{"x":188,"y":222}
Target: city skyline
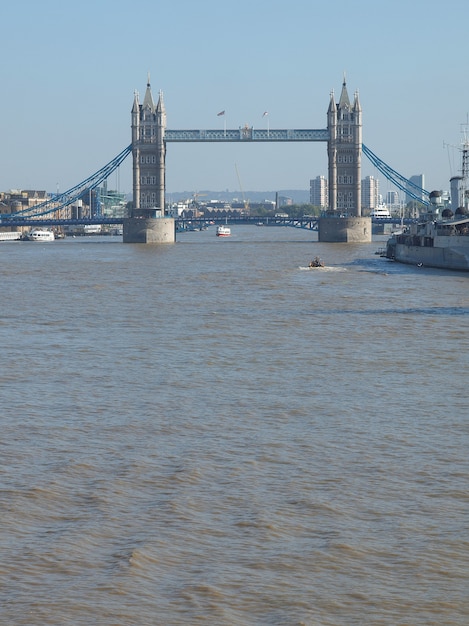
{"x":67,"y":99}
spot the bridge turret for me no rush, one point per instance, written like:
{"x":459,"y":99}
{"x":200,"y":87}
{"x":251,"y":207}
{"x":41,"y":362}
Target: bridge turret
{"x":344,"y":102}
{"x":148,"y":103}
{"x":356,"y":103}
{"x":357,"y":135}
{"x":135,"y":150}
{"x":161,"y":111}
{"x":161,"y":154}
{"x":331,"y":151}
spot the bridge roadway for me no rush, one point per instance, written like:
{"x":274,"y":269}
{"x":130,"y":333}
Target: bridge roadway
{"x":306,"y":222}
{"x":182,"y":223}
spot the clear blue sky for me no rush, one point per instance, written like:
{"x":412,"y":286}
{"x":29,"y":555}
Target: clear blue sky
{"x":70,"y":69}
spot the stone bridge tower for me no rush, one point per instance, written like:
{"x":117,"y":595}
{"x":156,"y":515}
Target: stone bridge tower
{"x":344,"y":222}
{"x":147,"y":222}
{"x":344,"y":122}
{"x":148,"y":152}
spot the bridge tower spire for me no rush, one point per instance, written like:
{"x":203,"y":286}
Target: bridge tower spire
{"x":344,"y":122}
{"x":148,"y":152}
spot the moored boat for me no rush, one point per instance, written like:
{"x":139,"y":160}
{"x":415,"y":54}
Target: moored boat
{"x":434,"y":242}
{"x":223,"y":231}
{"x":381,"y":211}
{"x":40,"y":234}
{"x":10,"y":236}
{"x":440,"y":238}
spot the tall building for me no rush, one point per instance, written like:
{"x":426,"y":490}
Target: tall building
{"x":370,"y":192}
{"x":344,"y":122}
{"x":392,"y":198}
{"x":148,"y":151}
{"x":113,"y":203}
{"x":419,"y":181}
{"x":319,"y":192}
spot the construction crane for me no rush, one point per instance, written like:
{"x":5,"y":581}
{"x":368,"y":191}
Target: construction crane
{"x":194,"y":204}
{"x":245,"y":202}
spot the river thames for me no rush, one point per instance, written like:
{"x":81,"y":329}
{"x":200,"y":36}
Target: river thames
{"x":206,"y":433}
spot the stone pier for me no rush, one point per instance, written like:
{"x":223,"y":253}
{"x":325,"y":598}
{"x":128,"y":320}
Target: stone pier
{"x":345,"y":229}
{"x":149,"y":230}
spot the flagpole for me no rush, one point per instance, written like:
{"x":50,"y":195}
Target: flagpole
{"x":266,"y":114}
{"x":222,"y":114}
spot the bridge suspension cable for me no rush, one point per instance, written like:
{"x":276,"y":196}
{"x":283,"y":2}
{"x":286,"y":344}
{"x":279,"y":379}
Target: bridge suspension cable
{"x":62,"y":200}
{"x":402,"y":183}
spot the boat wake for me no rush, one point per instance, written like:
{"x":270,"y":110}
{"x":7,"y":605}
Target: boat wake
{"x":336,"y":268}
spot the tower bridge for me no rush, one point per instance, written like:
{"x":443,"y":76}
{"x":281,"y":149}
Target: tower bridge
{"x":150,"y":137}
{"x":343,"y":136}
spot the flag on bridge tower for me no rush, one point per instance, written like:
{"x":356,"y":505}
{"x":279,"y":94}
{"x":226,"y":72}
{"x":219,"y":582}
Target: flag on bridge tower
{"x":221,"y":113}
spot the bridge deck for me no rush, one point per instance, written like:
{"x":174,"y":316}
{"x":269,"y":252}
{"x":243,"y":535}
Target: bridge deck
{"x":308,"y":222}
{"x":247,"y":134}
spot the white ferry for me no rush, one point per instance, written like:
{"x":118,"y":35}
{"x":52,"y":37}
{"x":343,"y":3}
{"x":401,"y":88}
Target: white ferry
{"x":223,"y":231}
{"x":40,"y":234}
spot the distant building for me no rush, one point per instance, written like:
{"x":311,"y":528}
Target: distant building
{"x":419,"y":181}
{"x":283,"y":201}
{"x":113,"y":203}
{"x":17,"y":200}
{"x":392,"y":198}
{"x":319,"y":192}
{"x":370,"y":192}
{"x":176,"y":209}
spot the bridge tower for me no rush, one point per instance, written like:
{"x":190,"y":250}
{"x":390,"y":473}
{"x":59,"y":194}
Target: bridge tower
{"x":148,"y":152}
{"x":344,"y":222}
{"x":148,"y":223}
{"x":344,"y":122}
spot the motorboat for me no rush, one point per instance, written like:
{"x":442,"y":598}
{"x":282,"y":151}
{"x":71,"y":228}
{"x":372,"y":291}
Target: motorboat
{"x":223,"y":231}
{"x":316,"y":262}
{"x":40,"y":234}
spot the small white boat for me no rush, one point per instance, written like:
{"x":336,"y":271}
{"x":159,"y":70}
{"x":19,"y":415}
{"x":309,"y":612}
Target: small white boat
{"x":40,"y":234}
{"x":223,"y":231}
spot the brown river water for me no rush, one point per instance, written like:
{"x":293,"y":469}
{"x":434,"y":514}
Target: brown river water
{"x":206,"y":433}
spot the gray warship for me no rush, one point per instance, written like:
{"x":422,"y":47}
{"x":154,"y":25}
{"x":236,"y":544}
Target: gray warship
{"x":440,"y":238}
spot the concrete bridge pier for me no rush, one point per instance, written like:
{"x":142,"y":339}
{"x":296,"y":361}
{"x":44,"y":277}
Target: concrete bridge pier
{"x":147,"y":227}
{"x":345,"y":229}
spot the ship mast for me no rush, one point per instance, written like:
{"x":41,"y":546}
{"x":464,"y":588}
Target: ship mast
{"x":465,"y":165}
{"x":460,"y":183}
{"x":465,"y":153}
